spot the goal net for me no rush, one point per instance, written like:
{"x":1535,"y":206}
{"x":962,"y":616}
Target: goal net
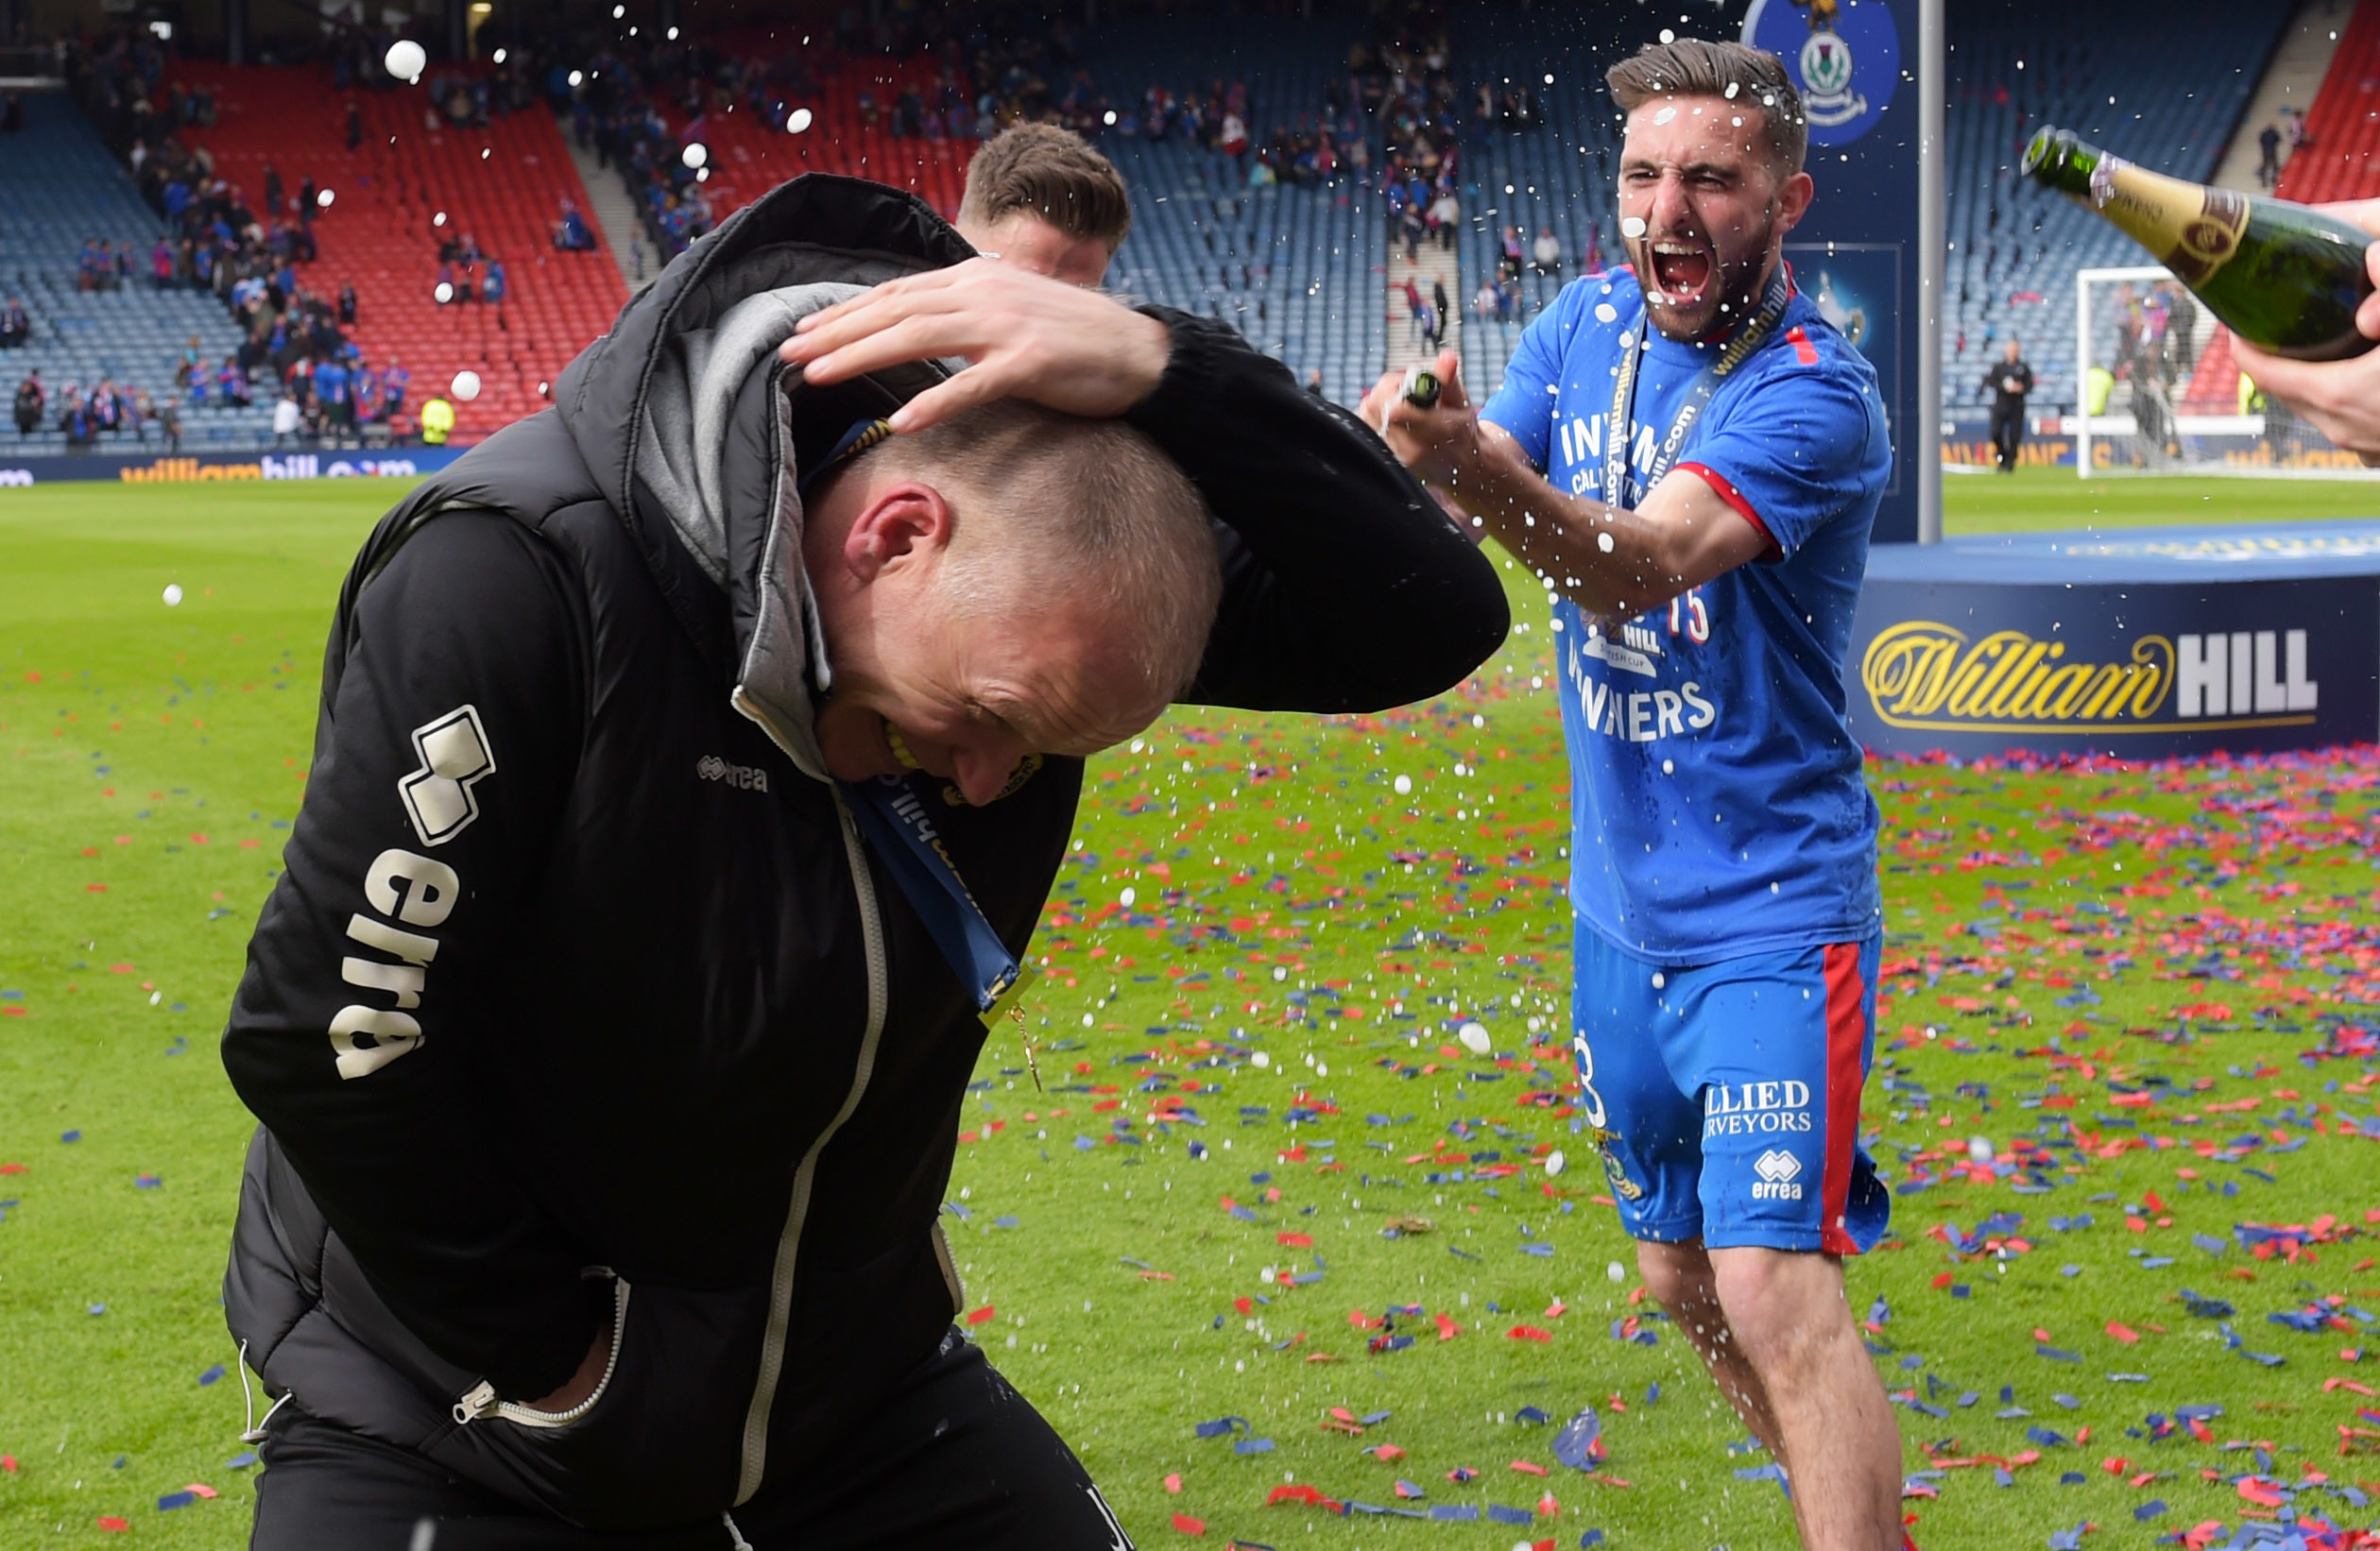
{"x":2157,"y":390}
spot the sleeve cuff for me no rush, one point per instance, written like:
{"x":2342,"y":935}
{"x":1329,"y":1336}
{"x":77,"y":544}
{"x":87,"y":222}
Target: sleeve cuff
{"x":1735,"y":498}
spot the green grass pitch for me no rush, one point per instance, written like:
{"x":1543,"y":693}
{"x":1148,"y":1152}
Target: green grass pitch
{"x":2150,"y":989}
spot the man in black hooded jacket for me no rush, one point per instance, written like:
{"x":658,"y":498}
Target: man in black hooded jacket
{"x":594,"y":973}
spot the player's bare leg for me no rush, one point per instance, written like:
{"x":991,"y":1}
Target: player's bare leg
{"x":1679,"y":1275}
{"x":1787,"y":1314}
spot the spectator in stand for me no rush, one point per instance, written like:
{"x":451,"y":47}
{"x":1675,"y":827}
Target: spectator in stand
{"x":16,"y":326}
{"x":1314,"y":381}
{"x":332,"y":390}
{"x":1446,"y":218}
{"x":285,"y":421}
{"x":571,"y":233}
{"x":143,"y":410}
{"x":492,"y":288}
{"x":1438,"y":299}
{"x":1546,"y":253}
{"x":74,"y":419}
{"x":161,"y":264}
{"x":1508,"y":256}
{"x":364,"y":388}
{"x":2269,"y":155}
{"x":1488,"y":300}
{"x":393,"y":384}
{"x":169,"y":423}
{"x":32,"y":399}
{"x":107,"y":409}
{"x":231,"y":383}
{"x":273,"y":207}
{"x":346,"y":306}
{"x":87,"y":267}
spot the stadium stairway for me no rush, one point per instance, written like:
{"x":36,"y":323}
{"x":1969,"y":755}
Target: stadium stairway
{"x":2343,"y":160}
{"x":611,"y":210}
{"x":404,"y":187}
{"x":2292,"y":81}
{"x":1434,"y":265}
{"x":60,"y":187}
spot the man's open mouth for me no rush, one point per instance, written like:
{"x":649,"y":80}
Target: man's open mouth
{"x":1681,"y":270}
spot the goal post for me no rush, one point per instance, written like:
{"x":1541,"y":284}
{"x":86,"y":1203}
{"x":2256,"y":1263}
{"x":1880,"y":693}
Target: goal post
{"x":2156,"y":389}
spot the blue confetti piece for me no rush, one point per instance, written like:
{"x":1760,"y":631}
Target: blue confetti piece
{"x":2209,"y":1243}
{"x":1879,"y":1312}
{"x":1003,"y":1222}
{"x":2073,"y":1478}
{"x":1574,"y":1445}
{"x":2057,"y":1354}
{"x":1222,"y":1426}
{"x":211,"y":1375}
{"x":1454,"y":1512}
{"x":241,"y":1460}
{"x":2153,"y":1509}
{"x":70,"y":1136}
{"x":1253,"y":1446}
{"x":1592,"y":1538}
{"x":1372,"y":1419}
{"x":962,"y":1213}
{"x":2045,"y":1436}
{"x":1501,"y":1514}
{"x":2069,"y":1540}
{"x":2067,"y":1401}
{"x":176,"y":1499}
{"x":1536,"y":1249}
{"x":1532,"y":1416}
{"x":97,"y":1308}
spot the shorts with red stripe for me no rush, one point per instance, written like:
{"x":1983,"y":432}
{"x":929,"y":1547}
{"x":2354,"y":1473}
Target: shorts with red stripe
{"x":1725,"y":1097}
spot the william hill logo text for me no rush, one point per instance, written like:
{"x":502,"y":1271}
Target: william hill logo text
{"x":1927,"y":675}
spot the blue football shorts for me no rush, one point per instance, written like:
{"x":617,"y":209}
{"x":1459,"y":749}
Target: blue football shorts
{"x":1725,"y":1098}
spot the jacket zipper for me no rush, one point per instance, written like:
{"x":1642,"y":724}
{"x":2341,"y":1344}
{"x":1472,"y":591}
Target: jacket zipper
{"x":780,"y":1295}
{"x":481,"y":1401}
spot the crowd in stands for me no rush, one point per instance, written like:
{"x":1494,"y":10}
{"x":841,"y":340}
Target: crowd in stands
{"x":214,"y":238}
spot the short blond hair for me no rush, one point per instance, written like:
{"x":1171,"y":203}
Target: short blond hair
{"x":1054,"y":507}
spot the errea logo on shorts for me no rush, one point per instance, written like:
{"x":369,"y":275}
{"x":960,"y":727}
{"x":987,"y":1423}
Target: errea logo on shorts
{"x":744,"y":778}
{"x":1777,"y":1169}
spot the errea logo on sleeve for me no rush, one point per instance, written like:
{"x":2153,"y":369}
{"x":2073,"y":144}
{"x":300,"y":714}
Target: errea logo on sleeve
{"x":455,"y":757}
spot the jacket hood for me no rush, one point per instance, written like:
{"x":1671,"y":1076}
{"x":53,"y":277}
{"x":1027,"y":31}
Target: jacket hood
{"x":696,"y":432}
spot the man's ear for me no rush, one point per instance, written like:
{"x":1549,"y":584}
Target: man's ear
{"x":1793,"y":201}
{"x":903,"y":524}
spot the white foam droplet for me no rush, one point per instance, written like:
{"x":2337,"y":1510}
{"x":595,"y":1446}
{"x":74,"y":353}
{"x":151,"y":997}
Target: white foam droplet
{"x":1603,"y":542}
{"x":1404,"y":785}
{"x":1731,"y":89}
{"x":1667,"y":113}
{"x":1127,"y":896}
{"x":1606,"y":313}
{"x":405,"y":59}
{"x":1260,"y":1060}
{"x":1475,"y":1039}
{"x":465,"y":385}
{"x":1555,"y":1162}
{"x":1617,"y":1271}
{"x":694,"y":155}
{"x":172,"y":594}
{"x":1659,"y":979}
{"x":1322,"y":1068}
{"x":1633,"y":226}
{"x":1668,"y":767}
{"x":797,"y":121}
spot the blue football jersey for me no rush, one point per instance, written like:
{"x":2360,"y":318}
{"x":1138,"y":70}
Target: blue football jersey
{"x":1715,"y":798}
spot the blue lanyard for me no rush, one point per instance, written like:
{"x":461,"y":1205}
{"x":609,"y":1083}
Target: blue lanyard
{"x":1621,"y":429}
{"x":895,"y":819}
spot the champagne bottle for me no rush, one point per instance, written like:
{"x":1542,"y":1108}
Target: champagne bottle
{"x":2283,"y":277}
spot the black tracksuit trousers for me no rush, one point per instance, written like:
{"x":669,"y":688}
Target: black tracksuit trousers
{"x":957,"y":1458}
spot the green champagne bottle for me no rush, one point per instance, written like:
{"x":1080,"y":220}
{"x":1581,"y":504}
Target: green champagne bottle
{"x":2283,"y":277}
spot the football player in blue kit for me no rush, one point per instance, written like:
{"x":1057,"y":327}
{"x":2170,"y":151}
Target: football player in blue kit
{"x":1690,"y":458}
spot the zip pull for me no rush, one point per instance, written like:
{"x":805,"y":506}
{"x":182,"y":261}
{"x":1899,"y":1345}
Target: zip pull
{"x":1033,"y":1061}
{"x":478,"y":1401}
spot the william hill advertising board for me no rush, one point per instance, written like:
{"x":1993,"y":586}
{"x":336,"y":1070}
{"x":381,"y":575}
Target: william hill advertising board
{"x":2143,"y":643}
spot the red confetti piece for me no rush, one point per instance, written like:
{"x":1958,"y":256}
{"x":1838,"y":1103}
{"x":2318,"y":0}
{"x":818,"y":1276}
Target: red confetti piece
{"x":1174,"y":1482}
{"x":1528,"y":1467}
{"x":1188,"y":1526}
{"x":2122,"y":1332}
{"x":1529,"y":1333}
{"x":981,"y":1316}
{"x":112,"y":1524}
{"x":1448,"y":1329}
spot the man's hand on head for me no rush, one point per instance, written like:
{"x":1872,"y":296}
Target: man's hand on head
{"x":1024,"y":335}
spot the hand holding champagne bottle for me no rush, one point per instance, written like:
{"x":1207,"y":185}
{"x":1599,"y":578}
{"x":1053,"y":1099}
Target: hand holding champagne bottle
{"x":2340,"y":398}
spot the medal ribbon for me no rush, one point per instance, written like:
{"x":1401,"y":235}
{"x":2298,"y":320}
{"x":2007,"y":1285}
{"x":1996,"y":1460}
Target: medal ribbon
{"x":1619,"y":431}
{"x":895,"y":820}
